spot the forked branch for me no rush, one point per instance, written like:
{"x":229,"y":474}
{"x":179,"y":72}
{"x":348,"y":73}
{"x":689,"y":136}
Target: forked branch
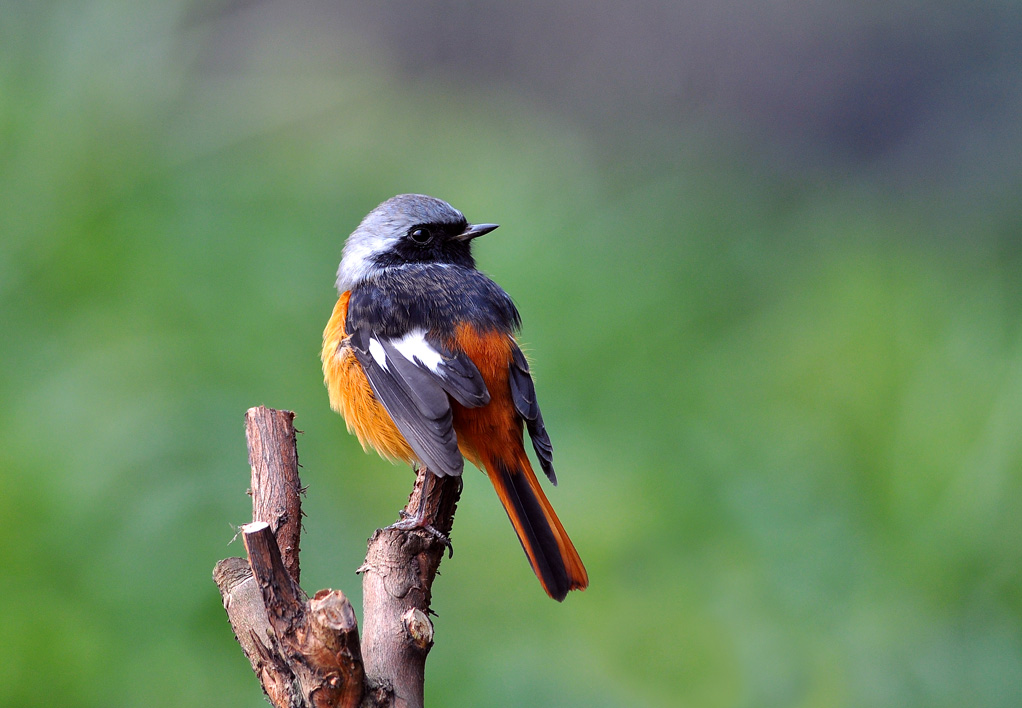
{"x":307,"y":653}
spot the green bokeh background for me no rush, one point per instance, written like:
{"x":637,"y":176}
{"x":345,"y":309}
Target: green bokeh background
{"x":784,"y":382}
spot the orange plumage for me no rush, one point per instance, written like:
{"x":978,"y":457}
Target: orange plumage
{"x":351,"y":395}
{"x":491,"y":437}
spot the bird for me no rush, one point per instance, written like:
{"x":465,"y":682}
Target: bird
{"x":420,"y":359}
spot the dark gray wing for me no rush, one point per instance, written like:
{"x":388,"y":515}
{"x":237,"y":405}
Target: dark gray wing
{"x":412,"y":377}
{"x":523,"y":392}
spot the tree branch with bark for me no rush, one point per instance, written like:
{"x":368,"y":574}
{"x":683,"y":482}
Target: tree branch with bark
{"x":307,"y":652}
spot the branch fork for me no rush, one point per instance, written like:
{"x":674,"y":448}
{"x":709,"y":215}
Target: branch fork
{"x":307,"y":652}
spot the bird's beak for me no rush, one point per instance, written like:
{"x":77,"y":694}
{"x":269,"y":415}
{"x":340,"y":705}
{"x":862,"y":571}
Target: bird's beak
{"x":475,"y":230}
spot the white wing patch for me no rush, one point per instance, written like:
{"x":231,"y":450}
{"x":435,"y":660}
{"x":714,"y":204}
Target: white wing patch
{"x":413,"y":346}
{"x":376,"y":349}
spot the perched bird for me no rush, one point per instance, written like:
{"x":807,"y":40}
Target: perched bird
{"x":420,"y":358}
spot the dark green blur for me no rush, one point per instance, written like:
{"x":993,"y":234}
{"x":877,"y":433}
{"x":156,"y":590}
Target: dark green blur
{"x":785,"y":394}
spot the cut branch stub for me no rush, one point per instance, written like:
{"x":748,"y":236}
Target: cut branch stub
{"x":319,"y":640}
{"x":333,"y":645}
{"x":283,"y":598}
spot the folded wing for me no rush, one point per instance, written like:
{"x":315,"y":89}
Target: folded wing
{"x":412,"y":377}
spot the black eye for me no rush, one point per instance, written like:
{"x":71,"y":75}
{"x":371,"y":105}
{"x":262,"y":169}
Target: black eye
{"x":421,"y":235}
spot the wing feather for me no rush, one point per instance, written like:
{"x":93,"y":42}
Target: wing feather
{"x":523,"y":393}
{"x":412,"y":378}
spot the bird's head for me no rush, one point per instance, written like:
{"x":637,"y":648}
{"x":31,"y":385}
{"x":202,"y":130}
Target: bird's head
{"x":408,"y":228}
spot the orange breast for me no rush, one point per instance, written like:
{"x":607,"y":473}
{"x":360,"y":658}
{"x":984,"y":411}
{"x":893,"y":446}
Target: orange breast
{"x":351,"y":395}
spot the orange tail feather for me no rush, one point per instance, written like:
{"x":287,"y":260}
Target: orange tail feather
{"x":552,"y":555}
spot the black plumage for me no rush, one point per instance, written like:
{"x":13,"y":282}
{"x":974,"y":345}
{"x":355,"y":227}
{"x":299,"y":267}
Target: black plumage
{"x":523,"y":393}
{"x":431,"y":296}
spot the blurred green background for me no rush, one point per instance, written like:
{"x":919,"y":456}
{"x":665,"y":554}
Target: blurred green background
{"x":768,"y":259}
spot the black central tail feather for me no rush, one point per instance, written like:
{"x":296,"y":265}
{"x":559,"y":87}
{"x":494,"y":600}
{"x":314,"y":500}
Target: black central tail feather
{"x":537,"y":531}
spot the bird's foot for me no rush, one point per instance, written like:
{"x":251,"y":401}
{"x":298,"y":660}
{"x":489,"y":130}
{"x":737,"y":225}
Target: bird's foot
{"x":410,"y":522}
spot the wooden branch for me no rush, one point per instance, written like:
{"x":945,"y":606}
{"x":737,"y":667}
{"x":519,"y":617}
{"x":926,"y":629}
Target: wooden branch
{"x":306,"y":653}
{"x":247,"y":615}
{"x":319,"y":643}
{"x":276,"y":489}
{"x":397,"y":581}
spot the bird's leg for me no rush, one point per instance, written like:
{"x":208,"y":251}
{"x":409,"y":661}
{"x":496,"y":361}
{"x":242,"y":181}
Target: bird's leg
{"x":418,"y":520}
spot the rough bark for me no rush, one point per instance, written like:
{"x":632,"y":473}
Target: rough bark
{"x":397,"y":581}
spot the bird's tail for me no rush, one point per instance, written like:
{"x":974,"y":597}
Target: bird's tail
{"x":551,"y":553}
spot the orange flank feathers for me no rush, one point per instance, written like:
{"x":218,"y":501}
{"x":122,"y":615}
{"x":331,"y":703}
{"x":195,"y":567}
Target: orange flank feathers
{"x":351,"y":395}
{"x":491,"y":437}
